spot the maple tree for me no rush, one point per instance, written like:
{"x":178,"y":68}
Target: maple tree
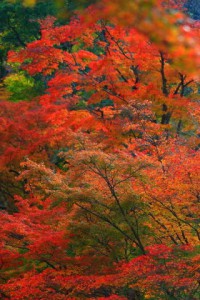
{"x":100,"y":174}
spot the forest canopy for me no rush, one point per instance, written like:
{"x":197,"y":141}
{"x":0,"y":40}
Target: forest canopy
{"x":100,"y":162}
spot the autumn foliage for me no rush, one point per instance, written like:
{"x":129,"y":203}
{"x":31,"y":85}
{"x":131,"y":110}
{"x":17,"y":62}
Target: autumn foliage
{"x":100,"y":174}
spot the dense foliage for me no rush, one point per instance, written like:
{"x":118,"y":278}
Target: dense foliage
{"x":100,"y":157}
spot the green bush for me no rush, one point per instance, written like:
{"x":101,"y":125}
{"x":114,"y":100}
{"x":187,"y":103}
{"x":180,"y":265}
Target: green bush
{"x":22,"y":87}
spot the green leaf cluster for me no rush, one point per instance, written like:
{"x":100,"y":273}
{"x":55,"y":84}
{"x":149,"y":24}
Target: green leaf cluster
{"x":23,"y":87}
